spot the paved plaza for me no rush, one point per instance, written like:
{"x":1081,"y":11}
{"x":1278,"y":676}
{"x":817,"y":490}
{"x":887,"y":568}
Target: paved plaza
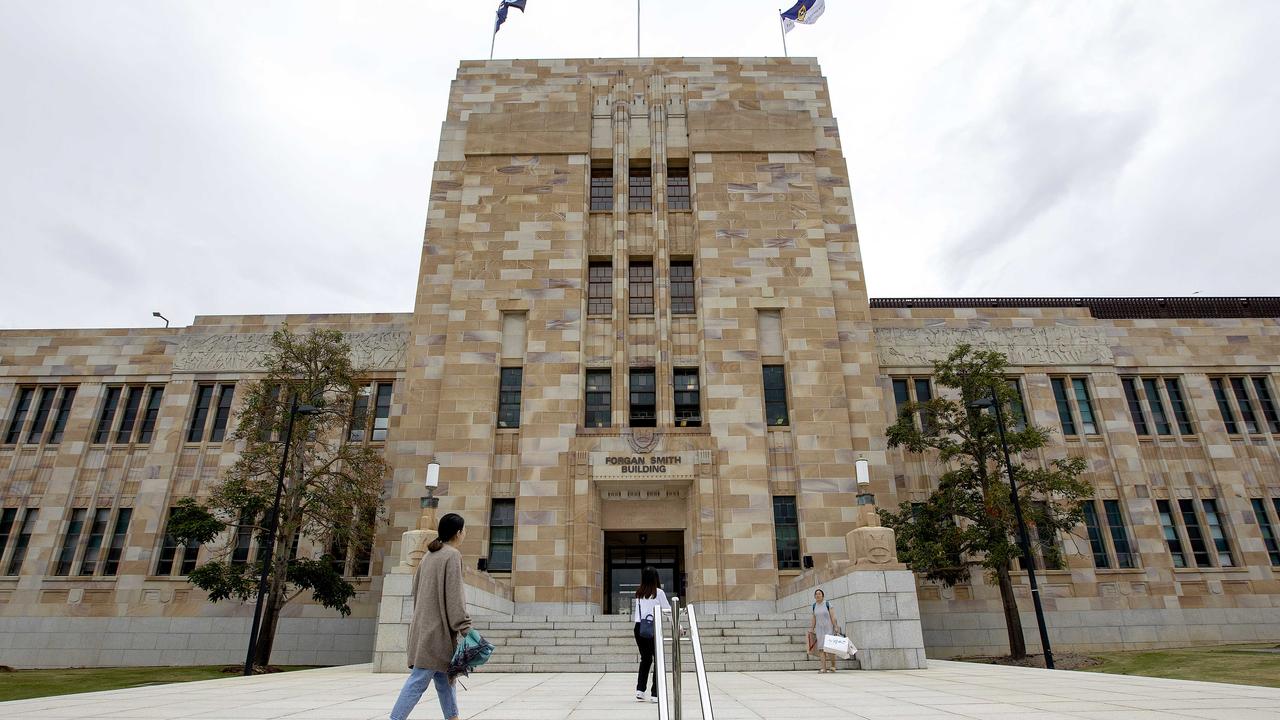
{"x":945,"y":690}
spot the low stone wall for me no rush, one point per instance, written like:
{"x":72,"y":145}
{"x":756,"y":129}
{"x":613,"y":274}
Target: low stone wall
{"x":485,"y":596}
{"x":61,"y":642}
{"x":877,"y":608}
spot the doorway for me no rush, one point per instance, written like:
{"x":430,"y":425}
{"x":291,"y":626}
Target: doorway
{"x":627,"y":553}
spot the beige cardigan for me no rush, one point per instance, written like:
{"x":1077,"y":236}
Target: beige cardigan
{"x":439,"y":610}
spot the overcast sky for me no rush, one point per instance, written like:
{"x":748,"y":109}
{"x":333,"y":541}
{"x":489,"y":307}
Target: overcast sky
{"x":244,"y":157}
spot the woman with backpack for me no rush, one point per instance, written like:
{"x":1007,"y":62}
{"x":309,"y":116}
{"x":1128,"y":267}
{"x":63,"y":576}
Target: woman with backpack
{"x":650,"y":600}
{"x":439,"y":616}
{"x":822,"y":624}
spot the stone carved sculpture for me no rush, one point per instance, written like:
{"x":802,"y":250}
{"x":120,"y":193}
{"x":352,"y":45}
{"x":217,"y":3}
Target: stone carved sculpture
{"x":413,"y":545}
{"x":870,"y":543}
{"x":243,"y":352}
{"x":1050,"y":345}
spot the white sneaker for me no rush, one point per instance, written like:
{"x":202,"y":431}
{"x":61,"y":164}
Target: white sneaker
{"x":653,"y":698}
{"x":640,"y":695}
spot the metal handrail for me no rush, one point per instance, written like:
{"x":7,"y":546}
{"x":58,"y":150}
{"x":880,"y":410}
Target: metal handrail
{"x":704,"y":690}
{"x":659,"y":657}
{"x":676,"y":666}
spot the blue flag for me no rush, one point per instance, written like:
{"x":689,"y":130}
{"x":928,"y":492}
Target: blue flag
{"x":503,"y":7}
{"x":805,"y":11}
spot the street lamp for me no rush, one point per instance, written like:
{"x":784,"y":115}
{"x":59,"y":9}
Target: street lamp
{"x":433,"y":482}
{"x":157,"y":314}
{"x":862,"y":474}
{"x":1024,"y":537}
{"x":294,"y":410}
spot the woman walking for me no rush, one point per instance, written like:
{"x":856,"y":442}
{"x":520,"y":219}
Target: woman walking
{"x":650,"y":600}
{"x":821,"y":625}
{"x":439,"y":615}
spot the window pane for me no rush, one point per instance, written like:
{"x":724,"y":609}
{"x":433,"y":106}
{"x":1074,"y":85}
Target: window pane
{"x":600,"y":288}
{"x":678,"y":188}
{"x":382,"y":412}
{"x":1246,"y":407}
{"x":1180,"y":412}
{"x":1084,"y":406}
{"x":116,"y":550}
{"x":133,"y":401}
{"x":1064,"y":407}
{"x":1217,"y":533}
{"x":63,"y":412}
{"x":360,"y":414}
{"x":43,"y":407}
{"x":640,"y":189}
{"x":924,"y":394}
{"x":1224,"y":405}
{"x":1259,"y":511}
{"x":601,"y":189}
{"x":244,"y":539}
{"x":510,"y":384}
{"x":687,"y":397}
{"x":1268,"y":406}
{"x":599,"y":400}
{"x":643,"y":398}
{"x":1171,"y":534}
{"x":1096,"y":544}
{"x":103,"y":433}
{"x":70,"y":542}
{"x":97,"y":533}
{"x":640,"y":288}
{"x":1195,"y":536}
{"x":363,"y":560}
{"x":682,"y":302}
{"x":190,"y":554}
{"x":7,"y":518}
{"x":901,"y":395}
{"x":19,"y":416}
{"x":23,"y":542}
{"x":502,"y":521}
{"x":1019,"y":406}
{"x":220,"y":418}
{"x":786,"y":532}
{"x":775,"y":396}
{"x":204,"y":398}
{"x":168,"y":548}
{"x":1151,"y":387}
{"x":1135,"y":406}
{"x":1119,"y":534}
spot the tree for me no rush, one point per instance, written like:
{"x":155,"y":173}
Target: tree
{"x":975,"y":487}
{"x":332,"y":490}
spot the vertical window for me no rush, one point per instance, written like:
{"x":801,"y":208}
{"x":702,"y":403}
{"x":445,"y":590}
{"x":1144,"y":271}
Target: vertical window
{"x":1096,"y":544}
{"x":19,"y":415}
{"x":23,"y":542}
{"x":382,"y":412}
{"x":97,"y":534}
{"x":223,"y":413}
{"x":599,"y":398}
{"x":148,"y":429}
{"x":43,"y":408}
{"x":1224,"y":405}
{"x":924,"y":393}
{"x":601,"y":189}
{"x":640,"y":288}
{"x":1084,"y":406}
{"x":7,"y":518}
{"x":644,"y":398}
{"x":688,"y":402}
{"x":1217,"y":533}
{"x":1195,"y":535}
{"x":360,"y":414}
{"x":1019,"y":407}
{"x":1242,"y":401}
{"x":639,"y":189}
{"x":509,"y":386}
{"x":1135,"y":406}
{"x":70,"y":542}
{"x":682,"y":302}
{"x":116,"y":551}
{"x":1259,"y":511}
{"x":1119,"y":534}
{"x":786,"y":532}
{"x":1064,"y":406}
{"x":1044,"y":546}
{"x":200,"y":418}
{"x":1171,"y":534}
{"x":363,"y":560}
{"x":1268,"y":406}
{"x":678,"y":188}
{"x":1180,"y":412}
{"x":108,"y":415}
{"x":502,"y":535}
{"x":600,"y":288}
{"x":901,"y":395}
{"x":1151,"y":387}
{"x":171,"y":550}
{"x":775,"y":396}
{"x":244,"y":539}
{"x":133,"y":401}
{"x":132,"y":413}
{"x":908,"y":390}
{"x":61,"y":414}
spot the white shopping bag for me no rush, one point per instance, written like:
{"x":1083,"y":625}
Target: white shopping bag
{"x":839,"y":646}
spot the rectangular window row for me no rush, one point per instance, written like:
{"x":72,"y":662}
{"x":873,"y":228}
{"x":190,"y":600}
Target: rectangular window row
{"x":16,"y":532}
{"x":1193,"y":542}
{"x":87,"y":539}
{"x":130,"y":421}
{"x":640,"y":297}
{"x":40,"y":414}
{"x":371,"y":425}
{"x":639,"y":188}
{"x":1156,"y":406}
{"x":1246,"y":404}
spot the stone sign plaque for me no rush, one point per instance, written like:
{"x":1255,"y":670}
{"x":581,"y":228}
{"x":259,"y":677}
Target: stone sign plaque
{"x":243,"y":352}
{"x":1052,"y":345}
{"x":640,"y":467}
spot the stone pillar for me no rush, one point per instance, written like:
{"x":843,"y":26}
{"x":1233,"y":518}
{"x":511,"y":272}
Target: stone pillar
{"x":396,"y":607}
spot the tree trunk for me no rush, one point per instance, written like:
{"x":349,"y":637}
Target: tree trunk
{"x":1012,"y":620}
{"x":267,"y":631}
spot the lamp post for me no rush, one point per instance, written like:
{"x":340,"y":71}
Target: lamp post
{"x":862,"y":474}
{"x":294,"y":410}
{"x":1024,"y":537}
{"x":157,"y":314}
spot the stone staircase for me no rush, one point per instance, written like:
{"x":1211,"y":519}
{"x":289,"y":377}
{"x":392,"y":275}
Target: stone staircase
{"x":604,"y":643}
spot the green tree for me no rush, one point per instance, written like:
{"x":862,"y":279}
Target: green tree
{"x":975,"y":489}
{"x":332,"y":488}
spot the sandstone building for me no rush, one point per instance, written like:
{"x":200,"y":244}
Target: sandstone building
{"x":642,"y":335}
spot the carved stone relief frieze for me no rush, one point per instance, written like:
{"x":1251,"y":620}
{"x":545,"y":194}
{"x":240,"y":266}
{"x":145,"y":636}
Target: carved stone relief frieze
{"x":1054,"y":345}
{"x":243,"y":352}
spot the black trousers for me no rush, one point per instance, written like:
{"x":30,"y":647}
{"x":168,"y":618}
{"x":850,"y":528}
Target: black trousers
{"x":646,"y":659}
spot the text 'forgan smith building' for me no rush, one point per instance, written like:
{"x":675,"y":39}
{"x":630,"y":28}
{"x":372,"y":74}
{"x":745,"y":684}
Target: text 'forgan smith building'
{"x":642,"y":337}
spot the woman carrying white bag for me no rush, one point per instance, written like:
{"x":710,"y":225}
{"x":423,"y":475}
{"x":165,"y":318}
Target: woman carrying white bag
{"x":824,"y":633}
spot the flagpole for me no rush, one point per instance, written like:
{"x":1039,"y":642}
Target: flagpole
{"x":781,"y":26}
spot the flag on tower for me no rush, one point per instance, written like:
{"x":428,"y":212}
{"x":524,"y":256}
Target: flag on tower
{"x":504,"y":6}
{"x":805,"y":11}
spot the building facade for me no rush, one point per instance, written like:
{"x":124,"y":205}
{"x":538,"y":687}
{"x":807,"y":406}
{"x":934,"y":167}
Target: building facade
{"x":642,"y":336}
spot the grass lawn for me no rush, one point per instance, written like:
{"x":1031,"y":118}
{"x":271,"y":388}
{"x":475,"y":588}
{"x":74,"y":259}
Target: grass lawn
{"x":23,"y":684}
{"x":1223,"y":663}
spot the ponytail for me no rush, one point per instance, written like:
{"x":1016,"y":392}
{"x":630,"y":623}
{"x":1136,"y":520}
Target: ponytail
{"x":448,"y":528}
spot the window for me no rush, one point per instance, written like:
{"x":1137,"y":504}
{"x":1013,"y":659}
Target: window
{"x":1048,"y":556}
{"x":131,"y":421}
{"x":1018,"y":407}
{"x":1195,"y":535}
{"x":1247,"y":403}
{"x":678,"y":188}
{"x":909,"y":390}
{"x":115,"y":551}
{"x":1135,"y":406}
{"x":97,"y":534}
{"x":1119,"y":534}
{"x":373,"y":426}
{"x":502,"y":535}
{"x":640,"y":288}
{"x":1075,"y":407}
{"x":349,"y":560}
{"x":201,"y":428}
{"x":30,"y":427}
{"x":509,"y":386}
{"x":688,"y":403}
{"x":1217,"y":533}
{"x":1171,"y":534}
{"x":70,"y":542}
{"x":133,"y":401}
{"x":599,"y":398}
{"x":643,"y":398}
{"x":107,"y":416}
{"x":1259,"y":512}
{"x":1165,"y":409}
{"x":1096,"y":544}
{"x":775,"y":396}
{"x":7,"y":517}
{"x":244,"y":539}
{"x":786,"y":532}
{"x":600,"y":288}
{"x":682,"y":302}
{"x":601,"y":189}
{"x":173,"y":555}
{"x":639,"y":189}
{"x":23,"y":542}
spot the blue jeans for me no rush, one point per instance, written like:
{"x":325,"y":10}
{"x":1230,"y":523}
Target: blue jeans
{"x":419,"y":679}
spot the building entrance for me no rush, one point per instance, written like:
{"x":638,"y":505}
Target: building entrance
{"x":627,"y":553}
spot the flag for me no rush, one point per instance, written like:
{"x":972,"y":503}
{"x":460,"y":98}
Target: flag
{"x":805,"y":11}
{"x":503,"y":6}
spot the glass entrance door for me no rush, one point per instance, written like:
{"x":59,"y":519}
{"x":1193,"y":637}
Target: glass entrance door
{"x":623,"y":563}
